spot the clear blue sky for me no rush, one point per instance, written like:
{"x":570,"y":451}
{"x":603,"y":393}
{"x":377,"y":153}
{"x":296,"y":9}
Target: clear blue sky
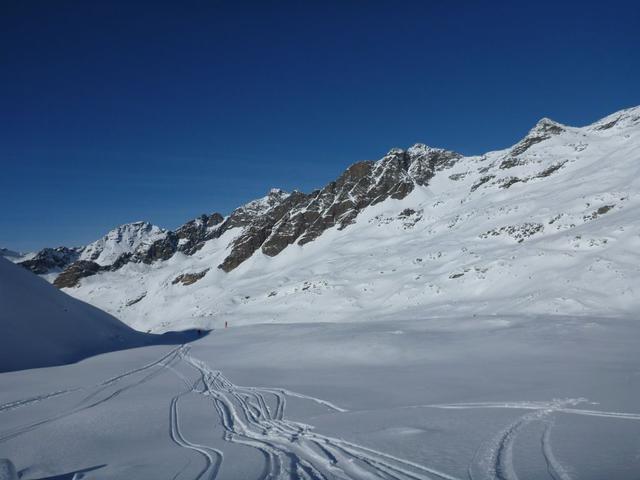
{"x":121,"y":111}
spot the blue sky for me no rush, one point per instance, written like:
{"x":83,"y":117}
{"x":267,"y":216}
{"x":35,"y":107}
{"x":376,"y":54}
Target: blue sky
{"x":121,"y":111}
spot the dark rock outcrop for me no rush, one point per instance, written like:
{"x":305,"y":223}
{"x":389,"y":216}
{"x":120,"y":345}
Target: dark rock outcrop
{"x":189,"y":278}
{"x":192,"y":235}
{"x":49,"y":259}
{"x":162,"y":249}
{"x":189,"y":238}
{"x":77,"y":270}
{"x":301,"y":218}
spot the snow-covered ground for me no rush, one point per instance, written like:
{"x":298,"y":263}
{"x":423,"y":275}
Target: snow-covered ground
{"x":474,"y":397}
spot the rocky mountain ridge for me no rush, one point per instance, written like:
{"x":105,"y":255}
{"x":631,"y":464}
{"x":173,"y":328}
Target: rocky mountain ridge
{"x":270,"y":223}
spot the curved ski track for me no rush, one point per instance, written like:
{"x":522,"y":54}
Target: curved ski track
{"x":494,"y":460}
{"x":213,"y":457}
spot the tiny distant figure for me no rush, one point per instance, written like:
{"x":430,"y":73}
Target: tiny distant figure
{"x":225,"y":324}
{"x":199,"y":332}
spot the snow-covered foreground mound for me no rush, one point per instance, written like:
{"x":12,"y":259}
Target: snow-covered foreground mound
{"x":467,"y":398}
{"x":42,"y":326}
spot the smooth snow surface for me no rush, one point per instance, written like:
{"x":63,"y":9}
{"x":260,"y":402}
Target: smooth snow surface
{"x":42,"y":326}
{"x":467,"y":398}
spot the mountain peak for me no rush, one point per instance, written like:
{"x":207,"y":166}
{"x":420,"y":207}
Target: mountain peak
{"x":422,"y":148}
{"x":277,"y":192}
{"x":544,"y":129}
{"x":418,"y":149}
{"x":546,"y":126}
{"x":123,"y":239}
{"x":274,"y":197}
{"x":395,"y":151}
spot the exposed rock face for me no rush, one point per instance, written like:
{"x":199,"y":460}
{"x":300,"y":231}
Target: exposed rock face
{"x":302,"y":218}
{"x":192,"y":235}
{"x":189,"y":278}
{"x":189,"y":238}
{"x":49,"y":259}
{"x":76,"y":271}
{"x":247,"y":214}
{"x":162,"y":249}
{"x":257,"y":226}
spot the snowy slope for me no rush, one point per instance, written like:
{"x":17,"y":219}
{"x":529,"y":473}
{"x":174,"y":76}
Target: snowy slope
{"x":42,"y":326}
{"x":549,"y":225}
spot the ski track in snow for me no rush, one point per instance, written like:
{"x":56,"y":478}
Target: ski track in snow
{"x":556,"y":470}
{"x":31,"y":400}
{"x":212,"y":456}
{"x":39,"y":398}
{"x":541,"y":406}
{"x":94,"y":399}
{"x":494,"y":460}
{"x":255,"y":417}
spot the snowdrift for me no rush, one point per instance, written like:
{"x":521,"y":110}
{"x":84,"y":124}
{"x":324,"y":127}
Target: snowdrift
{"x":42,"y":326}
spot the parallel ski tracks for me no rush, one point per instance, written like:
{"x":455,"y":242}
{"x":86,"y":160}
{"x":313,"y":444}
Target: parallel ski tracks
{"x":494,"y":459}
{"x":94,"y":398}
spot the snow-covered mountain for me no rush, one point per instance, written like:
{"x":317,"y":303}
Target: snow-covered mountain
{"x":549,"y":225}
{"x":123,"y":240}
{"x":115,"y":248}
